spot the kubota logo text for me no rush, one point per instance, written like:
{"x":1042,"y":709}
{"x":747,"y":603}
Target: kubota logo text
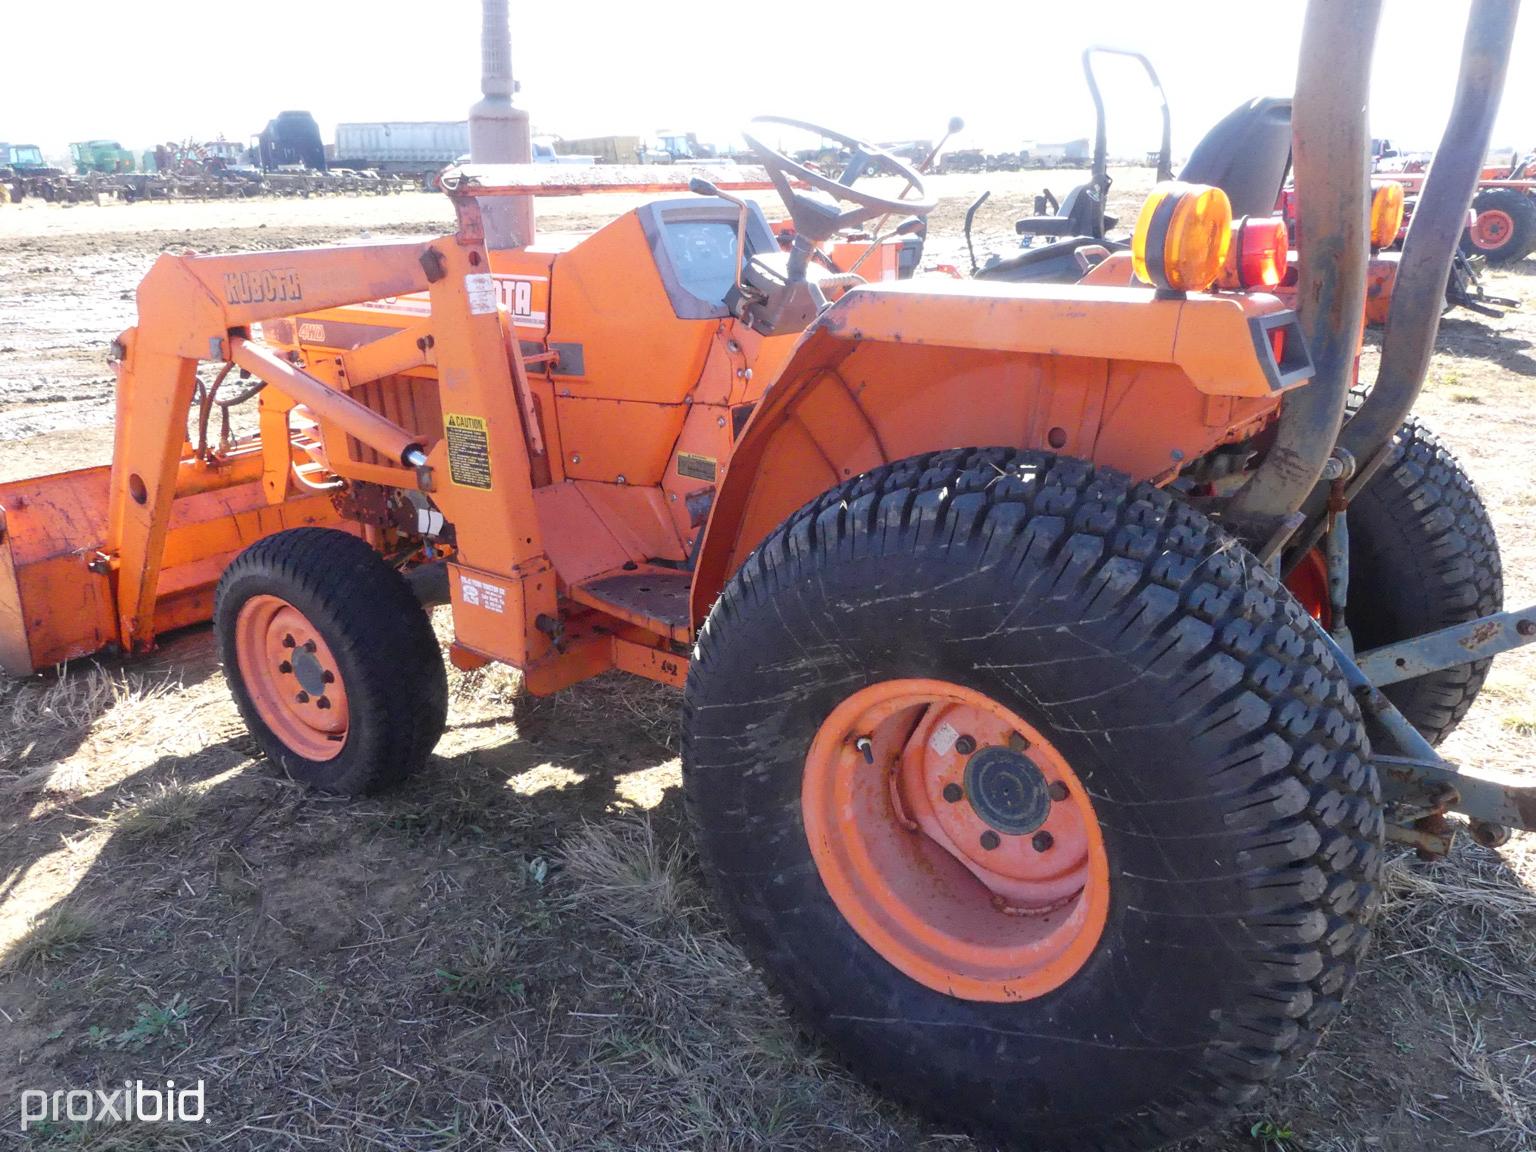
{"x":274,"y":286}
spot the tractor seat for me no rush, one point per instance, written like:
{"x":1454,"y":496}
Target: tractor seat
{"x":1053,"y":263}
{"x":1075,"y":217}
{"x":1247,"y":155}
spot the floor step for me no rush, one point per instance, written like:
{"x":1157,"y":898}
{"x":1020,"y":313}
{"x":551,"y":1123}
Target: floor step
{"x":654,"y":598}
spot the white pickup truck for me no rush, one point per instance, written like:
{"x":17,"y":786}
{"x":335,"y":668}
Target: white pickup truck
{"x":544,"y":153}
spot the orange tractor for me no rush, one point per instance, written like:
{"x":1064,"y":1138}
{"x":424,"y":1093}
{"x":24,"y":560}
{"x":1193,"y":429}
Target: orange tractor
{"x":1009,"y":754}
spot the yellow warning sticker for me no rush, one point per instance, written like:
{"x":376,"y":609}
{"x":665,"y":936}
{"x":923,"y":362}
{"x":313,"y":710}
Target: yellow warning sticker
{"x":469,"y":451}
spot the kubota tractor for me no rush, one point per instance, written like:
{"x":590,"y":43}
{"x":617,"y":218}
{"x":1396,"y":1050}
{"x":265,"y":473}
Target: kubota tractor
{"x":1009,"y":755}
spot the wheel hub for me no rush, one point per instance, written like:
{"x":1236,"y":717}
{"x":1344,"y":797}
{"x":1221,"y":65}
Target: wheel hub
{"x":1491,"y":228}
{"x":1007,"y":791}
{"x":307,"y":671}
{"x":956,"y":840}
{"x":292,"y":677}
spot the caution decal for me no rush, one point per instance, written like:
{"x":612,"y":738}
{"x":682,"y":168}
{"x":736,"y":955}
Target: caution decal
{"x":469,"y":451}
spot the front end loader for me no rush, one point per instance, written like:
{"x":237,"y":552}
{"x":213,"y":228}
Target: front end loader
{"x":1024,"y":736}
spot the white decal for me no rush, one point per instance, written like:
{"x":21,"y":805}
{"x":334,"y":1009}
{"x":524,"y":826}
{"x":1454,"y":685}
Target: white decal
{"x":482,"y":293}
{"x":943,"y":739}
{"x":482,"y":595}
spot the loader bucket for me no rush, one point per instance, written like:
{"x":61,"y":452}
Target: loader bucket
{"x":57,"y":589}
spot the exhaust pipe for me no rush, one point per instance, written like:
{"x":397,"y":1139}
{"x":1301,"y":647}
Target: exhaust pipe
{"x":1332,"y":137}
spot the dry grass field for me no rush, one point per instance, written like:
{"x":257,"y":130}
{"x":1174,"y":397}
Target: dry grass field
{"x":514,"y":951}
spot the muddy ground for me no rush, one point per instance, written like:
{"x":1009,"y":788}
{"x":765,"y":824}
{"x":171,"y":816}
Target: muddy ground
{"x":514,"y":951}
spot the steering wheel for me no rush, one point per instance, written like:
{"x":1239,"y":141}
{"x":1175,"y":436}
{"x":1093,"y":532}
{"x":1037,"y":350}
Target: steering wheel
{"x":813,"y":217}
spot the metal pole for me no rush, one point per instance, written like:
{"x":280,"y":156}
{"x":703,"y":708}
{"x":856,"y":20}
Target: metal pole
{"x":1332,"y":137}
{"x":499,"y":132}
{"x":1418,"y":295}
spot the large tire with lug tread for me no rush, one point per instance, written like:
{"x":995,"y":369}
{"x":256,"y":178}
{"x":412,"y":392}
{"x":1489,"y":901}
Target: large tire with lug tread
{"x":1036,"y":796}
{"x":1504,"y":229}
{"x":1422,"y":556}
{"x":331,"y":660}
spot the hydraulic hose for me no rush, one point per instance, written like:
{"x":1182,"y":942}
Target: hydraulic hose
{"x":1332,"y":138}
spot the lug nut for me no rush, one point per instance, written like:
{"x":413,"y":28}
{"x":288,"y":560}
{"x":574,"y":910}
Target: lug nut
{"x":302,"y":697}
{"x":953,"y":793}
{"x":323,"y":703}
{"x":289,"y":642}
{"x":1057,"y":791}
{"x":1017,"y":742}
{"x":309,"y":645}
{"x":328,"y":677}
{"x":990,"y":840}
{"x":1042,"y":841}
{"x":285,"y":668}
{"x":965,"y":745}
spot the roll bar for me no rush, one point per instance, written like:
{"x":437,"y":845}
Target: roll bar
{"x":1100,"y":177}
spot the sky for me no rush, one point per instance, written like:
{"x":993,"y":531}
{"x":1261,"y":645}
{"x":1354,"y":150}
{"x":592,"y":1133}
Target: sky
{"x":887,"y":70}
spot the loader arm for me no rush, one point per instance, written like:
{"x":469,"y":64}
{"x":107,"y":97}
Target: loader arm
{"x":99,"y":559}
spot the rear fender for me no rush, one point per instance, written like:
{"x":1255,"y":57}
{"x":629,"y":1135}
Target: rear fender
{"x":1115,"y":375}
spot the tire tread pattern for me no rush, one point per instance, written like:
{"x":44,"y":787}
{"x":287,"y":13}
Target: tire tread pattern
{"x":1297,"y":776}
{"x":398,"y":688}
{"x":1423,"y":556}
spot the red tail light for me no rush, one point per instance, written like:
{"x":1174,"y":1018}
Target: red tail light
{"x":1259,"y":255}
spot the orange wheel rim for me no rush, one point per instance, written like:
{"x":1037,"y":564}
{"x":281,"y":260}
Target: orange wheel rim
{"x":956,"y":840}
{"x":1492,"y":227}
{"x":292,"y":677}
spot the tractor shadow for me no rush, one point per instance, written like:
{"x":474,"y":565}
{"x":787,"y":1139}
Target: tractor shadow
{"x":207,"y":882}
{"x":46,"y":718}
{"x":1477,"y":338}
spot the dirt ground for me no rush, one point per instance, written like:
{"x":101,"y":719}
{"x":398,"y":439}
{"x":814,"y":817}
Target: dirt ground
{"x":514,"y":950}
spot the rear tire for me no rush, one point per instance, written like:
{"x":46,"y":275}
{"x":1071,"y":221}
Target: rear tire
{"x":1223,"y":755}
{"x":331,"y":660}
{"x":1422,"y":556}
{"x":1504,"y":230}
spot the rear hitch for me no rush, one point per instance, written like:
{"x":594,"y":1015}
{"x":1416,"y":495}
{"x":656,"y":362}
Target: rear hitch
{"x":1418,"y":785}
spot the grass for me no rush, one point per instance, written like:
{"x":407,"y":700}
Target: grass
{"x":41,"y":716}
{"x":57,"y":934}
{"x":626,"y":870}
{"x":471,"y":962}
{"x":485,"y":971}
{"x":1520,"y":723}
{"x":151,"y":1023}
{"x":171,"y":808}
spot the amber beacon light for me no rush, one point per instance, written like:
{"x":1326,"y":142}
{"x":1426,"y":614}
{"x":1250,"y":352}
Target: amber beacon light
{"x":1182,"y":236}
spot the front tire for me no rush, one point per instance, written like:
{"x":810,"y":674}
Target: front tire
{"x":331,"y":660}
{"x":1111,"y":642}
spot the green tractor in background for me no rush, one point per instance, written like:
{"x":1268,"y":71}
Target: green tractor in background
{"x":100,"y":156}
